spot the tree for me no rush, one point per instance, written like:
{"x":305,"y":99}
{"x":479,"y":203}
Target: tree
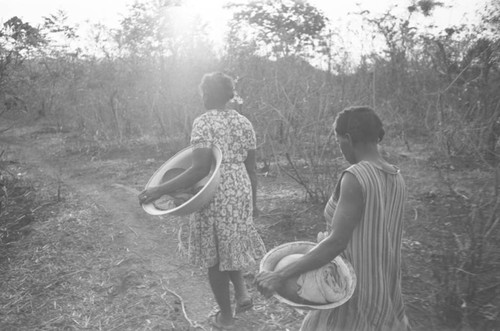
{"x":148,"y":29}
{"x":491,"y":18}
{"x":485,"y":55}
{"x":281,"y":28}
{"x":58,"y":34}
{"x":17,"y":40}
{"x":467,"y":61}
{"x":399,"y":35}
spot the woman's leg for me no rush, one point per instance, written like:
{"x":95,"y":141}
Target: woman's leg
{"x":219,"y":282}
{"x":240,"y":289}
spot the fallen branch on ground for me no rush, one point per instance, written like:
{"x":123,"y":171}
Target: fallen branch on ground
{"x":193,"y":324}
{"x":7,"y":129}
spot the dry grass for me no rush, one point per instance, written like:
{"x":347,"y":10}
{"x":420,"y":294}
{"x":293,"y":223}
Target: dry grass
{"x":67,"y":274}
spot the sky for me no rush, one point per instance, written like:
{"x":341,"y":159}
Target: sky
{"x":109,"y":12}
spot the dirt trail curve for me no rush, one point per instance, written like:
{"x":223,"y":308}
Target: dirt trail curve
{"x":124,"y":264}
{"x":148,"y":250}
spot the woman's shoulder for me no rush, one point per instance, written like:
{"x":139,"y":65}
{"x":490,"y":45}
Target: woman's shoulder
{"x":203,"y":117}
{"x":241,"y":118}
{"x":237,"y":114}
{"x":360,"y":166}
{"x":200,"y":116}
{"x":361,"y":171}
{"x":370,"y":166}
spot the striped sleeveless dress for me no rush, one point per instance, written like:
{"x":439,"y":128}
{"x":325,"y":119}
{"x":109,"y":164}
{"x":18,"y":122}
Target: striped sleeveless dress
{"x":375,"y":253}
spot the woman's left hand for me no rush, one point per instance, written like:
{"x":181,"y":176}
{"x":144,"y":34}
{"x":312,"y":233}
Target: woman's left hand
{"x":149,"y":195}
{"x":269,"y":282}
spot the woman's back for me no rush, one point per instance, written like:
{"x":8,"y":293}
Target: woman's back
{"x":223,"y":231}
{"x":374,"y":251}
{"x":230,"y":131}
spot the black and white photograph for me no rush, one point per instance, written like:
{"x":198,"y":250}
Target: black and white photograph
{"x":250,"y":165}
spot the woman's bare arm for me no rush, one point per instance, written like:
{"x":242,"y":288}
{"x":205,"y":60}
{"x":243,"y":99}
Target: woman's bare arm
{"x":347,"y":216}
{"x":200,"y":168}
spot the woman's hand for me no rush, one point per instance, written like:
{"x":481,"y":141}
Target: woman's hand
{"x":149,"y":195}
{"x":321,"y":236}
{"x":269,"y":282}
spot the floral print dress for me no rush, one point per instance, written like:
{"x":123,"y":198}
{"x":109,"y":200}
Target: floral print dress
{"x":223,"y":231}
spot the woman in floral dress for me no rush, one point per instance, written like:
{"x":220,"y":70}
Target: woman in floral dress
{"x":223,"y":237}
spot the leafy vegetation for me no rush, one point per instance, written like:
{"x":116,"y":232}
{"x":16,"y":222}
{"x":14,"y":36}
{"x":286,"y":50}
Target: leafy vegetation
{"x":436,"y":89}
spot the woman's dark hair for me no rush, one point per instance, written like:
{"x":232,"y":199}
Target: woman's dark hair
{"x":361,"y":123}
{"x":217,"y":89}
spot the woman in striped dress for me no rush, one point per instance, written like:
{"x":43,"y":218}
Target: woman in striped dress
{"x":365,"y":220}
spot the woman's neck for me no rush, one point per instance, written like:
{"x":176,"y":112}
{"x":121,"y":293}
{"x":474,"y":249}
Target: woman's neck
{"x":369,"y":152}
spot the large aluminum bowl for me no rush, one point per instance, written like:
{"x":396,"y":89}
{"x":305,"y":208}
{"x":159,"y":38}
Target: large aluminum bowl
{"x":271,"y":259}
{"x":183,"y":159}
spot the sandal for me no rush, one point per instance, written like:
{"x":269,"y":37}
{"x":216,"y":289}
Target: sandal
{"x":216,"y":324}
{"x":244,"y":306}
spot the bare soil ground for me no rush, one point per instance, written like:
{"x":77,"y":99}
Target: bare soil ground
{"x":86,"y":257}
{"x":93,"y":259}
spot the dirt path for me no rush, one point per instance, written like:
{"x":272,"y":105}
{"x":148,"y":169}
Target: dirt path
{"x":142,"y":250}
{"x":136,"y":232}
{"x":94,"y":260}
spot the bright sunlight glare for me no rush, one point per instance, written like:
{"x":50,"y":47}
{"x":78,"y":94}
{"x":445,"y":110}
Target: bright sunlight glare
{"x":212,"y":13}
